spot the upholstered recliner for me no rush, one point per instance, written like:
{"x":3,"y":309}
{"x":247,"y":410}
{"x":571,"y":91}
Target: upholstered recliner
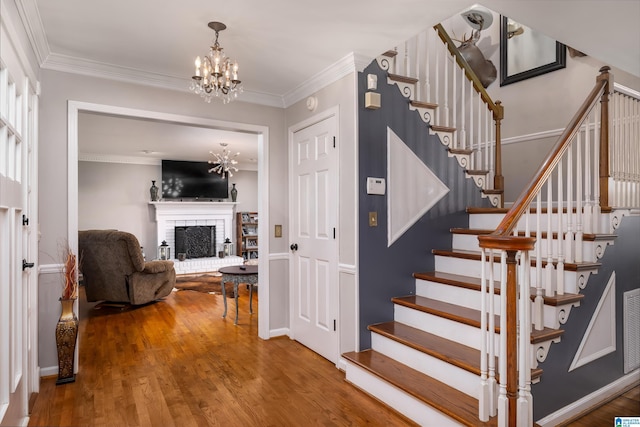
{"x":114,"y":269}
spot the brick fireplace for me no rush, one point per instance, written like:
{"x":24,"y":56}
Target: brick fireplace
{"x":217,"y":215}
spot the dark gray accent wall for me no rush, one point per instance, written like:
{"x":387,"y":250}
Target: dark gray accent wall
{"x":558,"y":387}
{"x":385,"y":272}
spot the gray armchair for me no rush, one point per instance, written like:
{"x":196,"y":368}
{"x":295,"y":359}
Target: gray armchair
{"x":113,"y":269}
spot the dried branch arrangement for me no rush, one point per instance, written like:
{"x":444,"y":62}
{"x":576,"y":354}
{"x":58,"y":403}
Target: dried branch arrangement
{"x":70,"y":288}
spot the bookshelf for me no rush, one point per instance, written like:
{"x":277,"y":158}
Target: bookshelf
{"x":247,"y":235}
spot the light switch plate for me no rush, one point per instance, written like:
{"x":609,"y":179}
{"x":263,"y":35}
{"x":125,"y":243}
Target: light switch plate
{"x":373,"y":219}
{"x":278,"y":230}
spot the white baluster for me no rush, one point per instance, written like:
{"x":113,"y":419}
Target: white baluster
{"x":462,"y":130}
{"x":560,"y":243}
{"x":525,"y":400}
{"x":549,"y":291}
{"x":493,"y":384}
{"x":445,"y":107}
{"x":427,"y":71}
{"x":503,"y":402}
{"x":569,"y":248}
{"x":587,"y":182}
{"x":539,"y":301}
{"x":579,"y":195}
{"x":595,"y":227}
{"x":484,"y":401}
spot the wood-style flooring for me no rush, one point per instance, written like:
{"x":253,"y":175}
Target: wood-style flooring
{"x":177,"y":362}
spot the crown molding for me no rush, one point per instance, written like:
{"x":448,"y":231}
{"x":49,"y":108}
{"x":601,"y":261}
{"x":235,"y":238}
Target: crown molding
{"x":32,"y":23}
{"x":350,"y":63}
{"x":110,"y":158}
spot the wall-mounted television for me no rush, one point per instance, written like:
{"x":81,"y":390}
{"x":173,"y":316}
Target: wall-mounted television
{"x":192,"y":181}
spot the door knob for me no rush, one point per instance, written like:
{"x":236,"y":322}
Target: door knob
{"x":294,"y":247}
{"x":26,"y":264}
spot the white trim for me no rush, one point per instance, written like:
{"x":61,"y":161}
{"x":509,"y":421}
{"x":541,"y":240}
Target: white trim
{"x":606,"y":342}
{"x":14,"y":40}
{"x":281,"y":332}
{"x":349,"y":64}
{"x":591,"y":400}
{"x":315,"y":119}
{"x":617,"y":87}
{"x":48,"y":371}
{"x":32,"y":23}
{"x":280,"y":256}
{"x":108,"y":158}
{"x":74,"y":108}
{"x":50,"y":268}
{"x":347,"y":268}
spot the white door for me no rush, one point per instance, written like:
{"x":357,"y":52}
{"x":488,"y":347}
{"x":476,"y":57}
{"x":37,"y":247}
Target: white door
{"x":314,"y":204}
{"x":18,"y":341}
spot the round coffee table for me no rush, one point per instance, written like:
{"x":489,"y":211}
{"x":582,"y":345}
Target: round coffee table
{"x":237,"y":274}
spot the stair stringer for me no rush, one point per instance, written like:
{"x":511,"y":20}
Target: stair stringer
{"x":407,"y":87}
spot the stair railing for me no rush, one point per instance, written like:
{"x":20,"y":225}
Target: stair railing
{"x":624,"y":161}
{"x":446,"y":82}
{"x":532,"y":252}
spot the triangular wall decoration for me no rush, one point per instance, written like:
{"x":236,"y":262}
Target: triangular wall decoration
{"x":413,"y":188}
{"x":600,"y":337}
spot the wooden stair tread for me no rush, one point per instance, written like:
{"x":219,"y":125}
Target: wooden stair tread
{"x":402,"y":79}
{"x":390,"y":53}
{"x":477,"y":210}
{"x":492,"y":191}
{"x":476,"y":172}
{"x":476,"y":256}
{"x":587,"y":237}
{"x":462,"y":151}
{"x":454,"y":403}
{"x":420,"y":104}
{"x":467,"y":316}
{"x":452,"y":352}
{"x":474,"y":283}
{"x":437,"y":128}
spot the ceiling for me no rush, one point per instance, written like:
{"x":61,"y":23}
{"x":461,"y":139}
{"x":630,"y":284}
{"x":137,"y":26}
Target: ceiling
{"x":282,"y":45}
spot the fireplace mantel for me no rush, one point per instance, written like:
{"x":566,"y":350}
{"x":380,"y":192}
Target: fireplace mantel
{"x":171,"y":214}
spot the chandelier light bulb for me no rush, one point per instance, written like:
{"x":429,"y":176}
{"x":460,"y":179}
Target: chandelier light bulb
{"x":216,"y":74}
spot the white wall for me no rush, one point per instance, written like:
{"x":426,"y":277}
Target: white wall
{"x":535,"y":106}
{"x":116,"y":195}
{"x":342,"y":94}
{"x":57,"y":89}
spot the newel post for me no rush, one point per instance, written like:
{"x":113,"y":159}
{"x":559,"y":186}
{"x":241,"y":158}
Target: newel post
{"x":498,"y":179}
{"x":511,"y":245}
{"x":604,"y":135}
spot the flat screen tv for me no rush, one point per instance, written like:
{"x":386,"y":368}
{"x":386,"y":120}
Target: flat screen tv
{"x":192,"y":181}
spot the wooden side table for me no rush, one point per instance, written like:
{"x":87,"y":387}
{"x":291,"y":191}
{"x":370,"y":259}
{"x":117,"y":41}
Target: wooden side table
{"x":237,"y":274}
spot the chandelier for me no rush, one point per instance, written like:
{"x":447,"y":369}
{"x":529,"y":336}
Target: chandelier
{"x":224,"y":162}
{"x":216,"y":74}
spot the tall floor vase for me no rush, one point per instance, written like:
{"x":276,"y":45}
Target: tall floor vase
{"x":66,"y":337}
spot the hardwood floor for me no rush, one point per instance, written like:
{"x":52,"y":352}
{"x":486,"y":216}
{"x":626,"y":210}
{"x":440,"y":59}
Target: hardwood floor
{"x":178,"y":363}
{"x":626,"y":405}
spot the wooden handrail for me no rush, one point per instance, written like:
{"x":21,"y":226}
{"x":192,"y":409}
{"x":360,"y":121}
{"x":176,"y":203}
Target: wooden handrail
{"x":497,"y":110}
{"x":510,"y":220}
{"x":471,"y":75}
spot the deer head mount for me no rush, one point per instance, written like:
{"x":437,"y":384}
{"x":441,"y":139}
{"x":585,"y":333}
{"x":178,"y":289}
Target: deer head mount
{"x":482,"y":67}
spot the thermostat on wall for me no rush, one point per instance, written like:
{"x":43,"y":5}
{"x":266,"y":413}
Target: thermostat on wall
{"x":376,"y":186}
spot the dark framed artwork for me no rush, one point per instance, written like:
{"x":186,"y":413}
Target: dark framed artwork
{"x":526,"y":53}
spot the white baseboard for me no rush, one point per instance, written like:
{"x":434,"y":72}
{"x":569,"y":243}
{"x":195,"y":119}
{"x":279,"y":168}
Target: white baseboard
{"x":48,"y":371}
{"x":278,"y":332}
{"x":594,"y":399}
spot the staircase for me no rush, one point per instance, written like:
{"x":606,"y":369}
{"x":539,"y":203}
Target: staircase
{"x":426,"y":363}
{"x":453,"y":353}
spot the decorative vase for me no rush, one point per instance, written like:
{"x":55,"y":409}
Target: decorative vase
{"x":66,"y":336}
{"x":154,"y":192}
{"x":234,"y":193}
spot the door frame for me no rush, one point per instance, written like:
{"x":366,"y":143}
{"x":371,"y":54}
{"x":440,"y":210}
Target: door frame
{"x":73,"y":110}
{"x":317,"y":118}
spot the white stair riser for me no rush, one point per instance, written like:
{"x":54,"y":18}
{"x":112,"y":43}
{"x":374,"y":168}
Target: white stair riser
{"x":445,"y":328}
{"x":447,"y":373}
{"x":490,"y":221}
{"x":402,"y":402}
{"x":591,"y":250}
{"x":464,"y":297}
{"x":472,"y":268}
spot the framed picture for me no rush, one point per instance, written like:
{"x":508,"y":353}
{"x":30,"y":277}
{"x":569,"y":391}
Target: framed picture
{"x":526,"y":53}
{"x":245,"y":217}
